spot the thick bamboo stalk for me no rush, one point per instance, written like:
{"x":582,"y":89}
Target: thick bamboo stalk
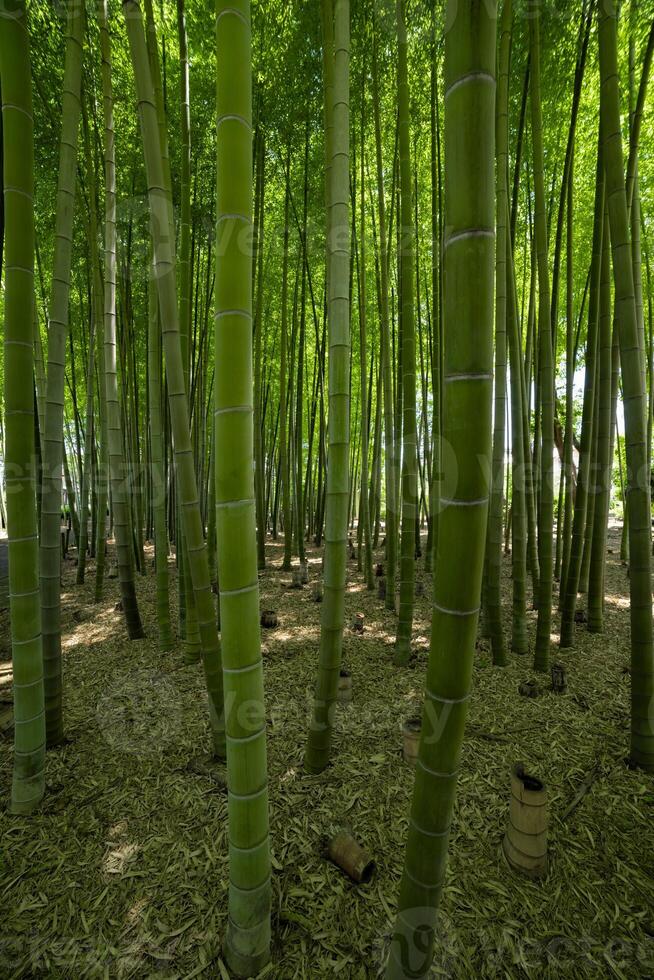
{"x":336,"y":41}
{"x":28,"y":782}
{"x":95,"y":314}
{"x":409,"y":451}
{"x":117,"y":469}
{"x":164,"y":270}
{"x":638,"y":491}
{"x":158,"y":485}
{"x":247,"y":945}
{"x":494,"y":539}
{"x":573,"y":571}
{"x":545,"y":360}
{"x":604,"y":475}
{"x":364,"y":505}
{"x":50,"y":544}
{"x":385,"y":353}
{"x":467,"y":394}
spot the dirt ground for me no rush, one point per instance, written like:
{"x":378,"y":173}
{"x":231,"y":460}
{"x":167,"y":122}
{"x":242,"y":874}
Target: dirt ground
{"x":123,"y":872}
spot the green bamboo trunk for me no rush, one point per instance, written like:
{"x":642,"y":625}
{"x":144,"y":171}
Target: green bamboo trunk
{"x":573,"y":571}
{"x":184,"y":257}
{"x":117,"y":467}
{"x":385,"y":354}
{"x":467,"y":397}
{"x":50,"y":543}
{"x":634,"y":395}
{"x":283,"y":384}
{"x":545,"y":361}
{"x":103,"y":448}
{"x":28,"y":781}
{"x":163,"y":244}
{"x":437,"y":296}
{"x":95,"y":315}
{"x":257,"y":267}
{"x":603,"y":483}
{"x":569,"y":393}
{"x":103,"y":468}
{"x":364,"y":508}
{"x":188,"y":618}
{"x":157,"y":471}
{"x":409,"y":452}
{"x":519,"y":636}
{"x":299,"y":384}
{"x":187,"y":608}
{"x":494,"y":542}
{"x":336,"y":42}
{"x":247,"y":946}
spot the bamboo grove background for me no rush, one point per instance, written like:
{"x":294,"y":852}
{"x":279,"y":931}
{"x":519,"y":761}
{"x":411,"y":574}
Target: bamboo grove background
{"x":250,"y":311}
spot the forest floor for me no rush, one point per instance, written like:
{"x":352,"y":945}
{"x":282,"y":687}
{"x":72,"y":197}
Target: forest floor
{"x":123,"y":871}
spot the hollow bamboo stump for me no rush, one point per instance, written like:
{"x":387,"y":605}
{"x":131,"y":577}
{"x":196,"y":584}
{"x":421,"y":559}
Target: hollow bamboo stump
{"x":411,"y":739}
{"x":345,"y":687}
{"x":525,"y":841}
{"x":348,"y":854}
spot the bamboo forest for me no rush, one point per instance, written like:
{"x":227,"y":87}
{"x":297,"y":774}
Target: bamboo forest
{"x":326,"y":532}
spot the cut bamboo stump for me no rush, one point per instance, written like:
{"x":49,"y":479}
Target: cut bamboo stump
{"x":304,"y":572}
{"x":559,"y":682}
{"x":381,"y":588}
{"x":297,"y":581}
{"x":269,"y":619}
{"x":317,"y":592}
{"x":345,"y":687}
{"x":348,"y":854}
{"x":357,"y":623}
{"x":525,"y":841}
{"x":411,"y":739}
